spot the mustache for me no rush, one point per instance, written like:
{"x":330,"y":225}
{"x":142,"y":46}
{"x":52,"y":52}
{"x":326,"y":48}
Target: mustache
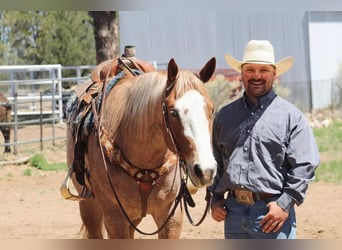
{"x":256,"y":81}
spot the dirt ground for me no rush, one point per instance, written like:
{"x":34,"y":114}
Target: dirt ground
{"x":32,"y":207}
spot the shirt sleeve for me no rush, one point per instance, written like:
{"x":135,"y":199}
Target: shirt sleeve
{"x":302,"y":157}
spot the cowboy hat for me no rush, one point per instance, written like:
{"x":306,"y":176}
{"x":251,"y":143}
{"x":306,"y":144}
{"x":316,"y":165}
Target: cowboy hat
{"x":260,"y":52}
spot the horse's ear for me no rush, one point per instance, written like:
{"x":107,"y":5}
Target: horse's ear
{"x":172,"y":72}
{"x":208,"y":70}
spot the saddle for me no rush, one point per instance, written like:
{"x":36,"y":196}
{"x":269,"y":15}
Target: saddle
{"x":106,"y":70}
{"x":112,"y":67}
{"x":88,"y":104}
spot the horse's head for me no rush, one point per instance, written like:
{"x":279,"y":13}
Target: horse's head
{"x":188,"y":114}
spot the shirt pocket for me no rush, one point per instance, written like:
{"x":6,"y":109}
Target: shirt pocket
{"x":233,"y":170}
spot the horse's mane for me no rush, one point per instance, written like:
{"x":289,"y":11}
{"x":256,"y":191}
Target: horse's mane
{"x":144,"y":103}
{"x":141,"y":102}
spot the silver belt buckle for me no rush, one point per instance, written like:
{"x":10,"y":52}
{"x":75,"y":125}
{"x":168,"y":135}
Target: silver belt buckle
{"x":244,"y":197}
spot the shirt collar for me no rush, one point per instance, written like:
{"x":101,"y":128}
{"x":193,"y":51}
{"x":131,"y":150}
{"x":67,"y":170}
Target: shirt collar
{"x":262,"y":100}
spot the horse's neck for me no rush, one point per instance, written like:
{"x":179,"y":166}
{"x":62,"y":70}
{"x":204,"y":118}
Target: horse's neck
{"x":145,"y":151}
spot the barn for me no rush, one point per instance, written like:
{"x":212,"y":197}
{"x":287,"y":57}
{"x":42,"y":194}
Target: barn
{"x":194,"y":37}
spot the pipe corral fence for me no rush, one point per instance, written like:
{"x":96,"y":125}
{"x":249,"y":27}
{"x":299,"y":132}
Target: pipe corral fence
{"x":36,"y":96}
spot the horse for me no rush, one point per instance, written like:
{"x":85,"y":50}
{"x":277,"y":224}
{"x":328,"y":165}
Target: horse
{"x":151,"y":130}
{"x":5,"y":117}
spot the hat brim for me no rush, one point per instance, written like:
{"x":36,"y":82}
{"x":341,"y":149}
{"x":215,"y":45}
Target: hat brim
{"x":281,"y":66}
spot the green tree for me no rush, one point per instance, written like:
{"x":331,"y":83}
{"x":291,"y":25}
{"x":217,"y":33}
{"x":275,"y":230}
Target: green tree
{"x":47,"y":37}
{"x":66,"y":38}
{"x":2,"y":38}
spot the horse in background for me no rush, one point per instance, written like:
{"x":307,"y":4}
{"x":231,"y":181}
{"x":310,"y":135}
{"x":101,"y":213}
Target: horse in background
{"x":5,"y":117}
{"x":152,"y":129}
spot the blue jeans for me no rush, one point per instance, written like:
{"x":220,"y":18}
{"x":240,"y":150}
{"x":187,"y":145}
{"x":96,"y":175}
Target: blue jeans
{"x":243,"y":221}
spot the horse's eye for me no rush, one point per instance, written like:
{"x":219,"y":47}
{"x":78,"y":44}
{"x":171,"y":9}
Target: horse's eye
{"x":174,"y":113}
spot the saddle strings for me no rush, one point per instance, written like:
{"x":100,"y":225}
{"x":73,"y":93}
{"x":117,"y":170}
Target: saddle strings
{"x":99,"y":116}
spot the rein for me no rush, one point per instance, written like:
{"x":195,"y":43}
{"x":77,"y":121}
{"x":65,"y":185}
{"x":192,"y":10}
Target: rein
{"x":187,"y":199}
{"x":177,"y":202}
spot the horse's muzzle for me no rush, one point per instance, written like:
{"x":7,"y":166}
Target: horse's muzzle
{"x":200,"y":177}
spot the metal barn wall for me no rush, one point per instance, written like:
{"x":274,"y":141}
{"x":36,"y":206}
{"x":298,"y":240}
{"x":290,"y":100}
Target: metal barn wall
{"x":192,"y":38}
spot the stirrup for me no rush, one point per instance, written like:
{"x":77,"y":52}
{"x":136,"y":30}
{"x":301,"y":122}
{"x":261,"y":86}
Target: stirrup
{"x":68,"y":195}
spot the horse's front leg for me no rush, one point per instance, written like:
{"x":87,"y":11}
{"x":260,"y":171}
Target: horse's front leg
{"x":132,"y":229}
{"x":173,"y":227}
{"x":91,"y":216}
{"x":116,"y":224}
{"x":6,"y":133}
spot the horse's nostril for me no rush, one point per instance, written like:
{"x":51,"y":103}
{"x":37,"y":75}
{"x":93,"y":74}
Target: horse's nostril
{"x":198,"y":171}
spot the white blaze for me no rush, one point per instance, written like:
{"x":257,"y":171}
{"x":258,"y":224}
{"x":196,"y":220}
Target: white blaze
{"x":191,"y":110}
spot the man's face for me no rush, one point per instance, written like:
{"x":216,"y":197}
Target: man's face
{"x":257,"y":79}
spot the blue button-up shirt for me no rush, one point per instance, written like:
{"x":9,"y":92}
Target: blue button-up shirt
{"x":267,"y":148}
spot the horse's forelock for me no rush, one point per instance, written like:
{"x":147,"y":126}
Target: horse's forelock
{"x":187,"y":80}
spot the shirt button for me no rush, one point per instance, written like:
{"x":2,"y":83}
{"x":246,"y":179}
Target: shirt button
{"x":245,"y":149}
{"x":243,"y":168}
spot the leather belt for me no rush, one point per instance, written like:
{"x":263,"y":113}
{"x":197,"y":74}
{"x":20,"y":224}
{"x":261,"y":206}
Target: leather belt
{"x":247,"y":197}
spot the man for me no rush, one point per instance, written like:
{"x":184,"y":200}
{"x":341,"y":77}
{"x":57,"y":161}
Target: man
{"x":265,"y":151}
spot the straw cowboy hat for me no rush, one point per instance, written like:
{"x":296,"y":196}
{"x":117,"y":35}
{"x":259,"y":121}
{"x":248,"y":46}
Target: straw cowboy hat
{"x":260,"y":52}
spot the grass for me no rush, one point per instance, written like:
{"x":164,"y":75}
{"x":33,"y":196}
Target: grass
{"x":329,"y":142}
{"x":330,"y":172}
{"x":329,"y":139}
{"x":38,"y":161}
{"x":27,"y":172}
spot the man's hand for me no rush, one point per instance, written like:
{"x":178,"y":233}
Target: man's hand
{"x":274,"y":219}
{"x":218,"y":211}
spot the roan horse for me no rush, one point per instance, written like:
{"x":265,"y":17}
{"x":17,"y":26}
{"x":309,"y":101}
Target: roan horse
{"x":146,"y":127}
{"x":5,"y":117}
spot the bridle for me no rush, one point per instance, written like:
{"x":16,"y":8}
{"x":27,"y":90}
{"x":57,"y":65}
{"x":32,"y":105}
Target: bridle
{"x":187,"y":199}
